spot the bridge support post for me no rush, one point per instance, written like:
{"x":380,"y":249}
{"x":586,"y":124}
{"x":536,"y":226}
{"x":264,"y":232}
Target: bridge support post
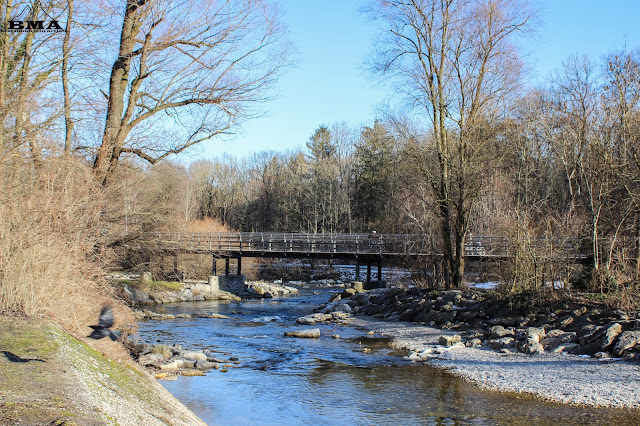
{"x":239,"y":266}
{"x":214,"y":269}
{"x":379,"y":270}
{"x":368,"y":272}
{"x":357,"y":271}
{"x":226,"y":267}
{"x":214,"y":284}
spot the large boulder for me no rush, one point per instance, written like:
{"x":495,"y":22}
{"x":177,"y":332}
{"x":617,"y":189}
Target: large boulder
{"x":506,"y":342}
{"x":557,"y":338}
{"x":531,"y":346}
{"x":498,"y":332}
{"x":603,"y":340}
{"x":610,"y":335}
{"x":627,"y":340}
{"x":535,"y":333}
{"x":140,"y":296}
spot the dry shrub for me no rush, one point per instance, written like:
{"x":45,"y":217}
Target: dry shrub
{"x":49,"y":228}
{"x":199,"y":266}
{"x":207,"y":224}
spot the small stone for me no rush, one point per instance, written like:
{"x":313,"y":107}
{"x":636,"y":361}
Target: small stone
{"x":371,"y":333}
{"x":219,"y":316}
{"x":457,"y":345}
{"x":602,"y":355}
{"x":565,"y":321}
{"x":151,"y":359}
{"x":474,"y":343}
{"x":313,"y":333}
{"x":567,"y":348}
{"x":501,"y":343}
{"x":336,"y":336}
{"x":535,"y":333}
{"x":580,"y":311}
{"x":313,"y":318}
{"x":446,"y":355}
{"x":207,"y":365}
{"x":498,"y":331}
{"x":172,"y":365}
{"x":191,"y":372}
{"x":446,"y":340}
{"x":198,"y":356}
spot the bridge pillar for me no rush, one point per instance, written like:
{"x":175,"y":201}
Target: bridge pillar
{"x":379,"y":270}
{"x":214,"y":284}
{"x":368,"y":271}
{"x":239,"y":266}
{"x":226,"y":267}
{"x":214,"y":269}
{"x":357,"y":271}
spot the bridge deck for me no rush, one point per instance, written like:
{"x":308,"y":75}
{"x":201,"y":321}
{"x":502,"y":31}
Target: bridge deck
{"x":324,"y":246}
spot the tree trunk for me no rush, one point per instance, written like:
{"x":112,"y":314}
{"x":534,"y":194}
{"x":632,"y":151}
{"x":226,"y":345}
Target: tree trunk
{"x":114,"y":133}
{"x":65,"y":82}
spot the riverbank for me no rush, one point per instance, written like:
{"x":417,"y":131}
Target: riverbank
{"x":49,"y":377}
{"x":560,"y":378}
{"x":135,"y":292}
{"x":581,"y":355}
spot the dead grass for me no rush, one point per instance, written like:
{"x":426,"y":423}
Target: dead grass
{"x":49,"y":234}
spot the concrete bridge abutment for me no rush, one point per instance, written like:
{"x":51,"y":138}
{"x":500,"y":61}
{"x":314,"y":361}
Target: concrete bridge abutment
{"x":232,"y":283}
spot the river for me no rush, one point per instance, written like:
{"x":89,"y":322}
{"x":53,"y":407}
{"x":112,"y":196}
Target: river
{"x":291,"y":381}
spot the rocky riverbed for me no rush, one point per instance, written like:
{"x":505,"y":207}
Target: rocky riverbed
{"x":580,"y":356}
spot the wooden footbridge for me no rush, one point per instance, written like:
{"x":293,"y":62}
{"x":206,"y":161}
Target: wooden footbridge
{"x":363,"y":249}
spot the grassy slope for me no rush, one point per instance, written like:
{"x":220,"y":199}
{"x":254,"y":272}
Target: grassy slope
{"x":46,"y":375}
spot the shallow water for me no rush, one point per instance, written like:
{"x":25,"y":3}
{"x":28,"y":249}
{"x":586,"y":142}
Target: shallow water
{"x":291,"y":381}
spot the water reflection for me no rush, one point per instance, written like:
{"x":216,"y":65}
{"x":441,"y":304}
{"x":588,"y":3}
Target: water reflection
{"x":332,"y":381}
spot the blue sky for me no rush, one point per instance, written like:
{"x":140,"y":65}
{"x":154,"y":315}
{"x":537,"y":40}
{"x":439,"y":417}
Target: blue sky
{"x":333,"y":37}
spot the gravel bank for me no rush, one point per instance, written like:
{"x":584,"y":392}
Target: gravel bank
{"x":556,"y":377}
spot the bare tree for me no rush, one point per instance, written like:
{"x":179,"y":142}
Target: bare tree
{"x":455,"y":61}
{"x":203,"y":65}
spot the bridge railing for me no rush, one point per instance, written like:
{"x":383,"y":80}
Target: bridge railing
{"x":338,"y":244}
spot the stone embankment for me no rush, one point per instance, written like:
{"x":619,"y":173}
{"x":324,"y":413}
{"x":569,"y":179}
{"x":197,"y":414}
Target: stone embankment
{"x":476,"y":321}
{"x":137,"y":295}
{"x":188,"y":293}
